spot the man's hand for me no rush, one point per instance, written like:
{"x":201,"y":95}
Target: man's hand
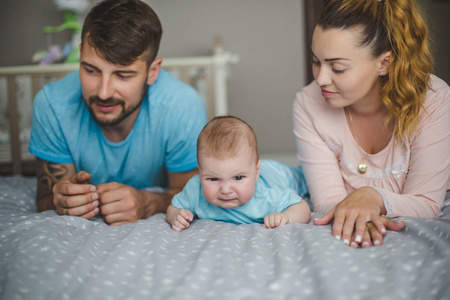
{"x":120,"y":203}
{"x":60,"y":188}
{"x":76,"y":197}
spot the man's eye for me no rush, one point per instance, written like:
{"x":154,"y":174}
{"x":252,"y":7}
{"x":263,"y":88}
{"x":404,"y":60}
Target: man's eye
{"x":123,"y":76}
{"x":238,"y":178}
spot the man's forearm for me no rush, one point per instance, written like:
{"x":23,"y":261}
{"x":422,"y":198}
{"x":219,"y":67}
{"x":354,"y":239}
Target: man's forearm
{"x":48,"y":174}
{"x":159,"y":202}
{"x":45,"y":203}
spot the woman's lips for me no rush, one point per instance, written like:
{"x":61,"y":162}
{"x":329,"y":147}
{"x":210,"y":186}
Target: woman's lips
{"x":327,"y":94}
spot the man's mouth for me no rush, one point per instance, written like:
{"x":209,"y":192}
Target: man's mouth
{"x":106,"y":108}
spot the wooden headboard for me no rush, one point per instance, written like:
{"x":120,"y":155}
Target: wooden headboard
{"x":207,"y":74}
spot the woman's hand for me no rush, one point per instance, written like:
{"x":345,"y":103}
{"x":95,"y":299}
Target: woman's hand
{"x":353,"y":213}
{"x":372,"y":237}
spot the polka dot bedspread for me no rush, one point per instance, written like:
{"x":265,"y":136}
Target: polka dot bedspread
{"x":47,"y":256}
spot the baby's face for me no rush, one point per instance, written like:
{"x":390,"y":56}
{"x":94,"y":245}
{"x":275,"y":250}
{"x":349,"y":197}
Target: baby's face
{"x":229,"y":182}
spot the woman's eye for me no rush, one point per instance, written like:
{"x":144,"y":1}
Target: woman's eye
{"x":338,"y":71}
{"x":238,"y":178}
{"x":316,"y":62}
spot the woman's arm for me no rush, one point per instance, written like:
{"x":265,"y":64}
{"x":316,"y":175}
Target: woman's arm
{"x":319,"y":163}
{"x":428,"y":175}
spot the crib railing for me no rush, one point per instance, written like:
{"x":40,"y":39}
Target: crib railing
{"x":207,"y":74}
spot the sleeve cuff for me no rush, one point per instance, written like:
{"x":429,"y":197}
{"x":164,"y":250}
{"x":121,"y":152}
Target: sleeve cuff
{"x":154,"y":189}
{"x":387,"y":203}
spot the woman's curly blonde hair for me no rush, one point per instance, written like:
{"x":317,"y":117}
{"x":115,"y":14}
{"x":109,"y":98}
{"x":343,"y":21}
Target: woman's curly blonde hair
{"x":397,"y":26}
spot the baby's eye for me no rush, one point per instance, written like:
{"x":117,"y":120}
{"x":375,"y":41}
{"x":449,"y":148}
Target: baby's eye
{"x":213,"y":179}
{"x":238,"y":177}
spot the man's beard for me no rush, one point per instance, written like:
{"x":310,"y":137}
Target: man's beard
{"x":110,"y":102}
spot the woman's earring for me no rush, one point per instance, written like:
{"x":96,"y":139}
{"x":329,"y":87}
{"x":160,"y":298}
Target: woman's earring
{"x":381,"y":73}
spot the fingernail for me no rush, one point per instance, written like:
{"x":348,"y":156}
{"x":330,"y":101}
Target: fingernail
{"x":95,"y":203}
{"x":383,"y":230}
{"x":346,"y":241}
{"x":94,"y":196}
{"x":353,"y":244}
{"x":376,"y":242}
{"x":96,"y":210}
{"x":358,"y":238}
{"x":365,"y":244}
{"x":338,"y":237}
{"x":92,"y":188}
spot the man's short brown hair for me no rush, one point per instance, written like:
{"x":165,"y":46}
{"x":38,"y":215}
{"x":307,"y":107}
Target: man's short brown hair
{"x":121,"y":31}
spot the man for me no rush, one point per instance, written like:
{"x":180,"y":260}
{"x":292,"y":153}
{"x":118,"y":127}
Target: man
{"x":119,"y":125}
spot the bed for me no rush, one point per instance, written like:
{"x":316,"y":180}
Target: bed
{"x":48,"y":256}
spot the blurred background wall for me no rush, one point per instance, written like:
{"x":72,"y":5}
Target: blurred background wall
{"x":269,"y":36}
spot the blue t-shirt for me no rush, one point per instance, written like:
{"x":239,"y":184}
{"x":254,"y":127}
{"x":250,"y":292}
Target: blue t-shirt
{"x":279,"y":186}
{"x":164,"y":135}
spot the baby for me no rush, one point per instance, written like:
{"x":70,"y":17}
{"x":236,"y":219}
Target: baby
{"x":233,"y":185}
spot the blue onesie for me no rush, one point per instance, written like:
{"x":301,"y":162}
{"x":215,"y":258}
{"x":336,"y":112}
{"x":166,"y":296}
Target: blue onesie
{"x":279,"y":186}
{"x":163,"y":138}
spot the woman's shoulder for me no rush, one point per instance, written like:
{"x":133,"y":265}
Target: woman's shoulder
{"x":438,"y":96}
{"x":310,"y":102}
{"x":309,"y":94}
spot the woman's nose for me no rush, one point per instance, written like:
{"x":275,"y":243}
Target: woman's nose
{"x":322,"y":77}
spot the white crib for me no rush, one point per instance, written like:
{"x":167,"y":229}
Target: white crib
{"x":19,"y":84}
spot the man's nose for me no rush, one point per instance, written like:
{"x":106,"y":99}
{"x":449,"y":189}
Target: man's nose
{"x":106,"y":89}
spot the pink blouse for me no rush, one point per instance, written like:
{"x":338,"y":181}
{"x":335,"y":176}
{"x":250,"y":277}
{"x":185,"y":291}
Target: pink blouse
{"x":412,"y":176}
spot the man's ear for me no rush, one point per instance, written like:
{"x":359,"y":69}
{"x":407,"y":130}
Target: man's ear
{"x":153,"y":71}
{"x":385,"y":62}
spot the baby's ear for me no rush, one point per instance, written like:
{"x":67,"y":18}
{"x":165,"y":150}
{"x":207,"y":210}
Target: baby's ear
{"x":257,"y":169}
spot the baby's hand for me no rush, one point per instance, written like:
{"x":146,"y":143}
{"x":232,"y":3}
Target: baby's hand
{"x":182,"y":219}
{"x":275,"y":219}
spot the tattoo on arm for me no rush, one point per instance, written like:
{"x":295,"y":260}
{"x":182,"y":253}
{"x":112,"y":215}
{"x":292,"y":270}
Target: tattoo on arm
{"x":48,"y":174}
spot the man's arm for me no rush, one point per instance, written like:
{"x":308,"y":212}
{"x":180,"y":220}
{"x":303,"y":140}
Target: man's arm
{"x":60,"y":188}
{"x":177,"y":181}
{"x":121,"y":204}
{"x":48,"y":174}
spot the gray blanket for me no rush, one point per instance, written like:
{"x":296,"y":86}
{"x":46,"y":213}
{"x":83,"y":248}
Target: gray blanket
{"x":47,"y":256}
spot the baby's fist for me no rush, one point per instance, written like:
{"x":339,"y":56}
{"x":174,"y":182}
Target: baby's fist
{"x":275,"y":219}
{"x":182,"y":219}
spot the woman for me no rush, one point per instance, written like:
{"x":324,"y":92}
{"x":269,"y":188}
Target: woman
{"x":373,"y":129}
